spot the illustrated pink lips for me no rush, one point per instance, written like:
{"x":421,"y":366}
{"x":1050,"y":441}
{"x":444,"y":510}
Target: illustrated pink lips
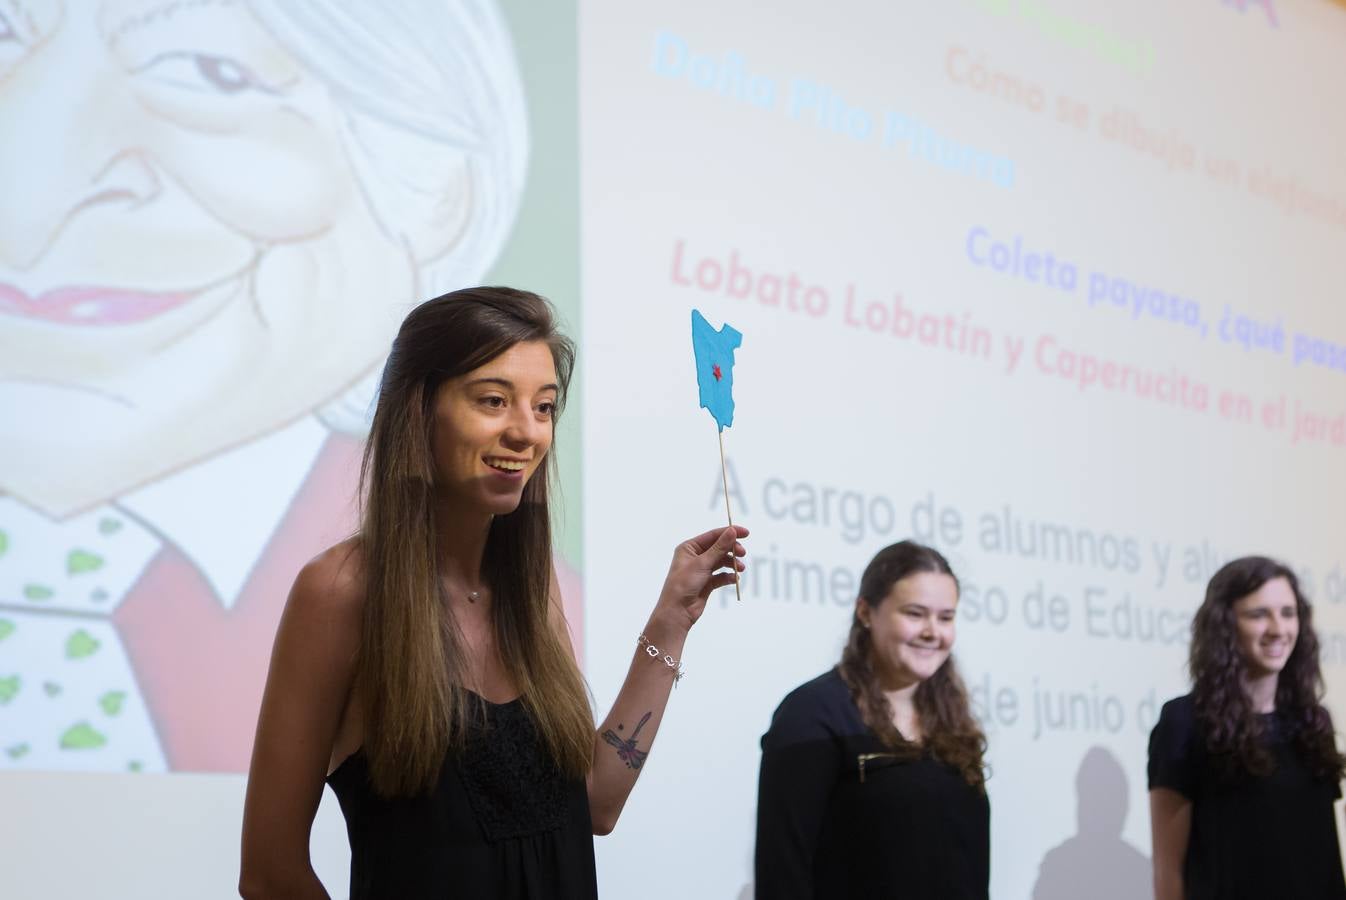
{"x":89,"y":305}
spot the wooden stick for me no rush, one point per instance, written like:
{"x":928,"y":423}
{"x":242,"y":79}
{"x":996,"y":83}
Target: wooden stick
{"x":733,"y":560}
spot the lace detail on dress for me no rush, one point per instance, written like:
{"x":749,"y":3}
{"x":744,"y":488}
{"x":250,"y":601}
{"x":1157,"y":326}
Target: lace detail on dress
{"x":513,"y":785}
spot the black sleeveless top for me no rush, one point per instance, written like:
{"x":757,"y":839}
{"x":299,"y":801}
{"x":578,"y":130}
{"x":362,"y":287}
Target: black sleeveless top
{"x":502,"y":822}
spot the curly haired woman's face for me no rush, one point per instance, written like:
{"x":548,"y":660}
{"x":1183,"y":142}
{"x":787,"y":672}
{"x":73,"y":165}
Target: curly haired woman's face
{"x":1268,"y":626}
{"x":913,"y":627}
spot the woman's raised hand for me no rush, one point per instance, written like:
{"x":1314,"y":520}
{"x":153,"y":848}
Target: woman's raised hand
{"x":700,"y":565}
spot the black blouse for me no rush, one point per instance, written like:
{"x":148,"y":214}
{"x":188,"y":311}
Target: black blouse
{"x":832,"y":823}
{"x":1274,"y":836}
{"x":502,"y":822}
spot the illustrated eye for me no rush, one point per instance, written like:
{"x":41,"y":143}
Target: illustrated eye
{"x":202,"y":72}
{"x":225,"y":75}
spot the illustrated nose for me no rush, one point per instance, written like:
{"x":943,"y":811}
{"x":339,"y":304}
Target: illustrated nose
{"x":69,"y":148}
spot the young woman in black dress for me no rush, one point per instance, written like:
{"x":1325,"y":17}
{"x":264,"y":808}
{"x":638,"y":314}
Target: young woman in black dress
{"x":872,"y":782}
{"x":1244,"y":770}
{"x":423,"y":667}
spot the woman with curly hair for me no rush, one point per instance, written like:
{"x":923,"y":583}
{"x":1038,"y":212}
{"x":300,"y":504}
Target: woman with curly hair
{"x":1243,"y":770}
{"x":872,"y":782}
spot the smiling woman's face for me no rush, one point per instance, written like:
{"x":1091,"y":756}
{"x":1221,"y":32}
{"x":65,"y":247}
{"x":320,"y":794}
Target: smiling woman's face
{"x":493,"y":428}
{"x":912,"y":628}
{"x":1267,"y":627}
{"x":186,"y":258}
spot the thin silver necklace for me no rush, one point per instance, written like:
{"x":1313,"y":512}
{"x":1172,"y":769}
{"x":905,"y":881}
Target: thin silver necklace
{"x":472,"y":596}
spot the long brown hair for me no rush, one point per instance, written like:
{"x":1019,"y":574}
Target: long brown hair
{"x":1233,"y":731}
{"x":952,"y":734}
{"x":410,"y":668}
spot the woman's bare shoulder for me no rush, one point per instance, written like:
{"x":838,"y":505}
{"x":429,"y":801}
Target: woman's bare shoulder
{"x":330,"y":587}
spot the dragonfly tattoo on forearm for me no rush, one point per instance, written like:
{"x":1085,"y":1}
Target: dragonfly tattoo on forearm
{"x":626,"y":749}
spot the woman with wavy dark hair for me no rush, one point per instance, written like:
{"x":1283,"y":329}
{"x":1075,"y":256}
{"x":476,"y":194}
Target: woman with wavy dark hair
{"x":1244,"y":770}
{"x":872,"y":783}
{"x":423,"y":668}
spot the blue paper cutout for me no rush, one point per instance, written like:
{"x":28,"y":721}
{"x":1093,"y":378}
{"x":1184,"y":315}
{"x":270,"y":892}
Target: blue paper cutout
{"x":715,"y":367}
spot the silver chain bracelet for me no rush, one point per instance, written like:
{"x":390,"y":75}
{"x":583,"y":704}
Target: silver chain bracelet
{"x":654,"y":653}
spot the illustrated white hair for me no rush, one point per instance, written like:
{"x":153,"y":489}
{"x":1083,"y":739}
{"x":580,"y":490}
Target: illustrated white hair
{"x":417,"y":78}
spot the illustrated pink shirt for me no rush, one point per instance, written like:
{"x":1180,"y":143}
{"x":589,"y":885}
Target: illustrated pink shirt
{"x":166,"y":676}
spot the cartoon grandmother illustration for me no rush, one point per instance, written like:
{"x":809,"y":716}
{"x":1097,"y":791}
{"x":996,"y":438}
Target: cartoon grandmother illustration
{"x":214,"y":215}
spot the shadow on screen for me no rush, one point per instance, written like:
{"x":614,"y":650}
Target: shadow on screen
{"x":1096,"y":862}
